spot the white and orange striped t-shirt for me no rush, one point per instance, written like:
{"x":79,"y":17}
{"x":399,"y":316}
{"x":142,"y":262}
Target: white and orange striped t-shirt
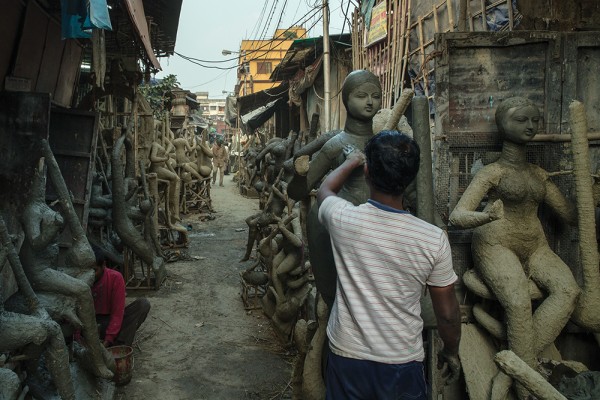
{"x":384,"y":258}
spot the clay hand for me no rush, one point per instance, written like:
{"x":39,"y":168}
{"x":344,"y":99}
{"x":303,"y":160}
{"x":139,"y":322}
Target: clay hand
{"x":496,"y":210}
{"x":353,"y":154}
{"x":449,"y":366}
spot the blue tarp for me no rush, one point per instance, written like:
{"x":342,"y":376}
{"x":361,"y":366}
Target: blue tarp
{"x":80,"y":16}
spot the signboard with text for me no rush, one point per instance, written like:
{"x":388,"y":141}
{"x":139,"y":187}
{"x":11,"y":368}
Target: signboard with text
{"x":378,"y":28}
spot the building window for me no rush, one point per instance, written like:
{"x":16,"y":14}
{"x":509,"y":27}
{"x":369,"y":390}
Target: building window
{"x":263,"y":67}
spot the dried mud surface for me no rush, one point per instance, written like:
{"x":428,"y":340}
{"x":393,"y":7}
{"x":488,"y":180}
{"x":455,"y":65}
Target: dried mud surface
{"x":198,"y":341}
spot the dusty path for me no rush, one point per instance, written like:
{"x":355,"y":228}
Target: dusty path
{"x":198,"y":341}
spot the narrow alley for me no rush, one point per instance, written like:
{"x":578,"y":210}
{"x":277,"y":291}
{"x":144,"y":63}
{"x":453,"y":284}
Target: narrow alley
{"x":198,"y":341}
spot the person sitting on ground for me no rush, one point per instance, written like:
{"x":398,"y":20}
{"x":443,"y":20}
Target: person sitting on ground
{"x":384,"y":258}
{"x":117,"y":324}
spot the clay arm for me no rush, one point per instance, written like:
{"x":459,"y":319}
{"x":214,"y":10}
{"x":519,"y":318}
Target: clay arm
{"x":464,"y":215}
{"x":447,"y":313}
{"x":39,"y":238}
{"x":335,"y":180}
{"x":563,"y":208}
{"x":307,"y":175}
{"x":206,"y":150}
{"x":291,"y":236}
{"x":10,"y":253}
{"x":154,"y":157}
{"x":263,"y":153}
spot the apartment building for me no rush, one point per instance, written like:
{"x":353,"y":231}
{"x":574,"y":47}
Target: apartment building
{"x":258,"y":58}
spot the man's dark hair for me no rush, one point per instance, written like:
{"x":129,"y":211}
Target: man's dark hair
{"x":393,"y":161}
{"x":99,"y":254}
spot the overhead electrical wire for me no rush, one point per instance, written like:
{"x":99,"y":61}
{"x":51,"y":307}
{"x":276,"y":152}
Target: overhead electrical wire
{"x":305,"y":18}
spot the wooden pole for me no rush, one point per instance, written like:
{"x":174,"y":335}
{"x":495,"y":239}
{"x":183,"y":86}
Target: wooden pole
{"x":326,"y":69}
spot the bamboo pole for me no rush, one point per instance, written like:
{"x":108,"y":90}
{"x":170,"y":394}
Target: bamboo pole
{"x":423,"y":58}
{"x":400,"y":51}
{"x":393,"y":55}
{"x":462,"y":17}
{"x":483,"y":16}
{"x":406,"y":39}
{"x":450,"y":15}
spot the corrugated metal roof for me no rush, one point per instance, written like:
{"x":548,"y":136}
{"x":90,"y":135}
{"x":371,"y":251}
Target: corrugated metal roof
{"x":304,"y":52}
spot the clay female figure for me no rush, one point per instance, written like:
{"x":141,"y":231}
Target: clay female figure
{"x":159,"y":158}
{"x":361,"y":94}
{"x":19,"y":330}
{"x":182,"y":148}
{"x":204,"y":156}
{"x":272,"y":212}
{"x":278,"y":150}
{"x":39,"y":253}
{"x":509,"y":246}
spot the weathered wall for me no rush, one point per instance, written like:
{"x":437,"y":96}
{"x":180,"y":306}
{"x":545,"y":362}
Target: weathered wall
{"x":559,"y":15}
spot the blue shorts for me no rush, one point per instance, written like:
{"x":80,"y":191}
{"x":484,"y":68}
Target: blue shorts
{"x":352,"y":379}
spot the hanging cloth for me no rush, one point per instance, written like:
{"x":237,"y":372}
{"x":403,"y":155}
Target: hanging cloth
{"x":80,"y":16}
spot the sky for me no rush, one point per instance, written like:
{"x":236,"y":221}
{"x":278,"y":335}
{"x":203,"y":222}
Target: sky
{"x":207,"y":27}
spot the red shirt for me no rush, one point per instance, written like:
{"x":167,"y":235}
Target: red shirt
{"x":109,"y":299}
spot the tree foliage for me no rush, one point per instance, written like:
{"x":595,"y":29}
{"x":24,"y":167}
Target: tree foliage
{"x":159,"y":94}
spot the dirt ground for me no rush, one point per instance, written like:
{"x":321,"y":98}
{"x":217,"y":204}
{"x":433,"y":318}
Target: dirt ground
{"x":198,"y":341}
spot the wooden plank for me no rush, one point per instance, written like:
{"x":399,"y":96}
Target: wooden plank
{"x":10,"y":19}
{"x":51,"y":58}
{"x":581,"y":81}
{"x":69,"y":72}
{"x":31,"y":46}
{"x":73,"y":137}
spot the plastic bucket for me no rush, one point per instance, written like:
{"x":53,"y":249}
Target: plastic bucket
{"x":123,"y":356}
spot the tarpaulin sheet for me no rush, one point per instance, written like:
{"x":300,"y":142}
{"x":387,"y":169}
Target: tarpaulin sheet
{"x":80,"y":16}
{"x":259,"y":116}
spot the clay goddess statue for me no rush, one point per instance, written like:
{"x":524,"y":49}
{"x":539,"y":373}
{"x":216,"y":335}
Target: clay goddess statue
{"x":159,"y":157}
{"x":509,"y":245}
{"x":361,"y":95}
{"x":39,"y":253}
{"x":20,"y":331}
{"x":182,"y":149}
{"x":204,"y":155}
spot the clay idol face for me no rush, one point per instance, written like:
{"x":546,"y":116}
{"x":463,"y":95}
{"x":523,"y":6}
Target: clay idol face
{"x":520,"y":124}
{"x":364,"y":101}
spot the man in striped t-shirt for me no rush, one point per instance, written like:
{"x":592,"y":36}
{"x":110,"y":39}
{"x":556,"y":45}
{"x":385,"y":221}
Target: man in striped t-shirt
{"x":384,"y":258}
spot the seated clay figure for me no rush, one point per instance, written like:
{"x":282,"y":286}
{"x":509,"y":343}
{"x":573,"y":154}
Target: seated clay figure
{"x":509,"y":246}
{"x":204,"y":156}
{"x":35,"y":332}
{"x":182,"y":149}
{"x":159,"y":157}
{"x":39,"y":253}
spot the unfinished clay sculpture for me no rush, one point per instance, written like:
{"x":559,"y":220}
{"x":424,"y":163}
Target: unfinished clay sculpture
{"x":39,"y":253}
{"x":509,"y":246}
{"x":159,"y":157}
{"x":35,"y":331}
{"x":361,"y":94}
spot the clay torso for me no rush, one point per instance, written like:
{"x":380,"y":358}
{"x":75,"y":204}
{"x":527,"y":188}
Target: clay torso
{"x":521,"y":189}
